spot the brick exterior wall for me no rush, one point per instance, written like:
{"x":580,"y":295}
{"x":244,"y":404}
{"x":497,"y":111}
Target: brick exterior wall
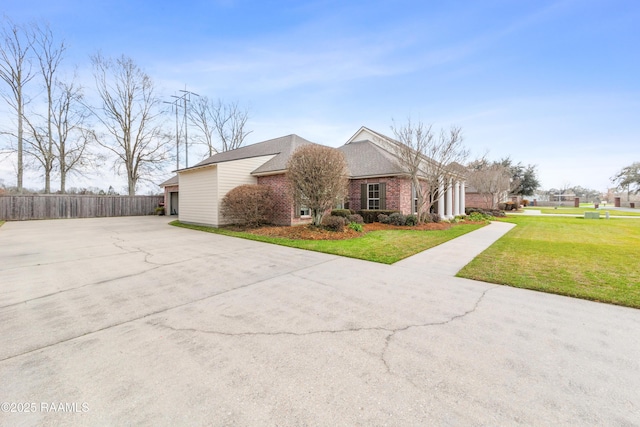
{"x":477,"y":200}
{"x":284,"y":212}
{"x":398,"y":193}
{"x":398,"y":197}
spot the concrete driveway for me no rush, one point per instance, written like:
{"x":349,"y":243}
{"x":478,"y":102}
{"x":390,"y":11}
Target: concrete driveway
{"x":129,"y":321}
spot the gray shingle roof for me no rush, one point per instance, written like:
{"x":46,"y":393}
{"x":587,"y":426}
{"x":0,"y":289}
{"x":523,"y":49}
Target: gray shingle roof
{"x":171,"y":181}
{"x":282,"y":147}
{"x":364,"y":158}
{"x":279,"y":162}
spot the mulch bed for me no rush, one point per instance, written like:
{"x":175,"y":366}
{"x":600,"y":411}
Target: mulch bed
{"x":307,"y":232}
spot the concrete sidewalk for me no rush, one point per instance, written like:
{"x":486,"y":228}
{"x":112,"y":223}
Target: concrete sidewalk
{"x":449,"y":257}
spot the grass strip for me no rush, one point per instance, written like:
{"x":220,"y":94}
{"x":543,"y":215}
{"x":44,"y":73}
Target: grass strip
{"x":581,"y":211}
{"x":383,"y":246}
{"x":590,"y":259}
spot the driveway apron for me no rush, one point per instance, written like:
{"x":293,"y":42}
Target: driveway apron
{"x":129,"y":321}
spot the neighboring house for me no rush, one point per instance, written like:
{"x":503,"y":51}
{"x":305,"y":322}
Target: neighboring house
{"x":377,"y":180}
{"x":476,"y":199}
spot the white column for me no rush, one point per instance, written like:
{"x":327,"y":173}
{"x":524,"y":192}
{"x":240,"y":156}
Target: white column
{"x":463,"y":200}
{"x":441,"y":197}
{"x":456,"y":198}
{"x":447,"y":213}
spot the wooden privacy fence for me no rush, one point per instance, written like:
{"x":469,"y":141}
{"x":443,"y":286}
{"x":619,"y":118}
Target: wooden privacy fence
{"x":51,"y":206}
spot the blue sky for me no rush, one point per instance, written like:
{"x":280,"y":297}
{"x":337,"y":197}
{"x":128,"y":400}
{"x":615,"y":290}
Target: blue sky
{"x":551,"y":83}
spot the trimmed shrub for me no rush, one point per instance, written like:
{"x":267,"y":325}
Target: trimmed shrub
{"x":333,"y":223}
{"x":356,"y":227}
{"x":383,"y":219}
{"x":341,"y":212}
{"x":525,"y":202}
{"x":249,"y":205}
{"x":488,"y":212}
{"x":411,"y":220}
{"x":355,"y":218}
{"x":371,"y":215}
{"x":477,"y":216}
{"x":432,"y":217}
{"x":397,"y":218}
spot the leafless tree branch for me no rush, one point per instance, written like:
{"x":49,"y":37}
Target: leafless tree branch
{"x":226,"y":121}
{"x":16,"y":45}
{"x":428,"y":158}
{"x":130,"y":115}
{"x":318,"y":178}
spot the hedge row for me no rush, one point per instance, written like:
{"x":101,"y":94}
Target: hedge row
{"x":371,"y":215}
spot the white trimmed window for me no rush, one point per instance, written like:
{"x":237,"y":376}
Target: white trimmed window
{"x":373,"y":196}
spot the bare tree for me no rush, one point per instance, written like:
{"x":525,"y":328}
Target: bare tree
{"x":227,"y":121}
{"x":201,"y":116}
{"x":130,"y":115}
{"x":491,"y":180}
{"x":72,"y":139}
{"x":49,"y":54}
{"x":318,"y":178}
{"x":15,"y":70}
{"x":37,"y":146}
{"x":427,"y":158}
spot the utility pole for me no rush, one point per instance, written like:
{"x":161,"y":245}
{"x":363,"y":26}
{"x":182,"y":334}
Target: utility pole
{"x":175,"y":104}
{"x":183,"y":99}
{"x":186,"y":95}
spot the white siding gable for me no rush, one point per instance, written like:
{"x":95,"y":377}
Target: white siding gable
{"x":363,"y":135}
{"x":199,"y":196}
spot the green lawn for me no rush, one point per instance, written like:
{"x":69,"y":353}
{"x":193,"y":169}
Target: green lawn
{"x":581,"y":210}
{"x":591,"y":259}
{"x":1,"y":222}
{"x":386,"y":246}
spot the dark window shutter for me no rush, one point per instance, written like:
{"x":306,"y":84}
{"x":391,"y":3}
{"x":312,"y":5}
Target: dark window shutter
{"x":383,"y":195}
{"x":296,"y":210}
{"x":363,"y":196}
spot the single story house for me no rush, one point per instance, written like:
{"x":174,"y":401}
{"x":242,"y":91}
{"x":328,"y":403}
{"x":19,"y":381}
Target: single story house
{"x":377,"y":180}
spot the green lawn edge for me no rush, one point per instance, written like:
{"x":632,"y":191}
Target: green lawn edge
{"x":545,"y":210}
{"x":385,"y":246}
{"x":576,"y":257}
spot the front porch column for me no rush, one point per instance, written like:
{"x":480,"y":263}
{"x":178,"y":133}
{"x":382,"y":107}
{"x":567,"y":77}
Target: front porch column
{"x":441,"y":197}
{"x":447,"y":214}
{"x":456,"y":198}
{"x":463,"y":200}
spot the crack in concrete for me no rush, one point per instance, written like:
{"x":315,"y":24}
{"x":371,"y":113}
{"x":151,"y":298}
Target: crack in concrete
{"x":163,"y":310}
{"x":451,"y":319}
{"x":270,"y":334}
{"x":100,"y":282}
{"x":391,"y":332}
{"x":126,"y":276}
{"x":136,"y":249}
